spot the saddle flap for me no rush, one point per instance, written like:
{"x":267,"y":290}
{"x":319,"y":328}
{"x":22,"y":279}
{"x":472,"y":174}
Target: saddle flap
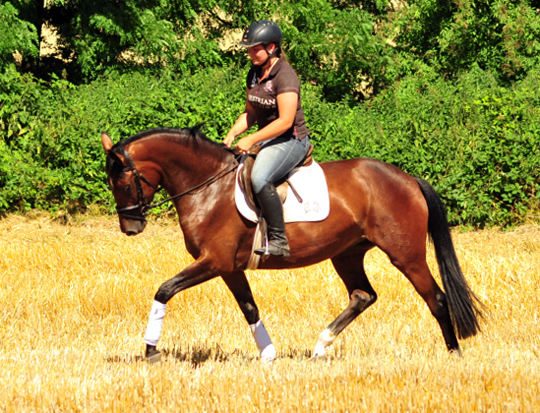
{"x":309,"y":203}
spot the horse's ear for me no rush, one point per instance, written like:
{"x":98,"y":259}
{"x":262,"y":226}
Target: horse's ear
{"x":116,"y":157}
{"x":106,"y":141}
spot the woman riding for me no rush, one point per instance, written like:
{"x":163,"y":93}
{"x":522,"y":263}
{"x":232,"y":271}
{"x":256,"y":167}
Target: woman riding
{"x":273,"y":102}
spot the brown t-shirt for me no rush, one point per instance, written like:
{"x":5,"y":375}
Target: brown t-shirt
{"x":263,"y":96}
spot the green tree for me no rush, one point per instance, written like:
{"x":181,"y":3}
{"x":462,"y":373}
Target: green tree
{"x":501,"y":36}
{"x":93,"y":37}
{"x":16,"y":36}
{"x":338,"y":46}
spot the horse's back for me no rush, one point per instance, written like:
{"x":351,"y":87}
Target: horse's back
{"x":365,"y":168}
{"x":381,"y":196}
{"x":370,"y":177}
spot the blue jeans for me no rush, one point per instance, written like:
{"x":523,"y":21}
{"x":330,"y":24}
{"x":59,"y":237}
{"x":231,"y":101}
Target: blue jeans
{"x":276,"y":159}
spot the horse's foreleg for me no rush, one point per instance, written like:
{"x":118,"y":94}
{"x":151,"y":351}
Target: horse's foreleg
{"x":239,"y":286}
{"x":350,"y":267}
{"x":200,"y":271}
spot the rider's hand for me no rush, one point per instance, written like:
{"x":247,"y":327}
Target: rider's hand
{"x":244,"y":145}
{"x":228,"y":141}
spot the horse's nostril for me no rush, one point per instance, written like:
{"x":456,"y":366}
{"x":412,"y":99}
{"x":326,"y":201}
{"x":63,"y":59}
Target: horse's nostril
{"x":130,"y":233}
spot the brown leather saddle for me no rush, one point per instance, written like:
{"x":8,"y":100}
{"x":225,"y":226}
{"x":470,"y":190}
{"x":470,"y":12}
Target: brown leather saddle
{"x":281,"y":186}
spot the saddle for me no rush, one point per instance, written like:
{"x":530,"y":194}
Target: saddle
{"x":281,"y":186}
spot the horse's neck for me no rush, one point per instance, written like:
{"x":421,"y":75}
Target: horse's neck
{"x":184,"y":165}
{"x":189,"y":171}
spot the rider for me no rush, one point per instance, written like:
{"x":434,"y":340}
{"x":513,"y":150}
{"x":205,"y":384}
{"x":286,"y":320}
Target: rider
{"x":273,"y":102}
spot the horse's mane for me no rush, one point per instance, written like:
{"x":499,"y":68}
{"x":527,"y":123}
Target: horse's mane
{"x":190,"y":134}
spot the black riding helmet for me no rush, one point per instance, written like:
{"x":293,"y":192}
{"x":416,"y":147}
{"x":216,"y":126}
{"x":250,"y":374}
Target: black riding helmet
{"x":262,"y":32}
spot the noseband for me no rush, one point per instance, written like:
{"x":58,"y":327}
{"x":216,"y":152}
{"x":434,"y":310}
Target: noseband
{"x":143,"y":206}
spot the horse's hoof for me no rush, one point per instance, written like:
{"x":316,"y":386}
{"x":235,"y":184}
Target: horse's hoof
{"x":322,"y":357}
{"x":455,"y":352}
{"x":154,"y":357}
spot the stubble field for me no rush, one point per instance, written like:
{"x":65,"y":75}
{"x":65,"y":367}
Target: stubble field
{"x":74,"y":302}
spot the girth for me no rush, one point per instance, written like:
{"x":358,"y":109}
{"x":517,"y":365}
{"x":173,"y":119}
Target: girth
{"x":281,"y":186}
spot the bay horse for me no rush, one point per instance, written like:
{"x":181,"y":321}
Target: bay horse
{"x":372,"y":204}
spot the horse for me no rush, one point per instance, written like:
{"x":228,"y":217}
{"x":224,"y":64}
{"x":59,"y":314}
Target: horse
{"x":372,"y":204}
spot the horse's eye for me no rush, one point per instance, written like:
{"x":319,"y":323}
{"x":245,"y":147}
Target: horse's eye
{"x":127,"y":188}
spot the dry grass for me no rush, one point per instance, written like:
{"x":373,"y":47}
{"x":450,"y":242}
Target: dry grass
{"x":74,"y":301}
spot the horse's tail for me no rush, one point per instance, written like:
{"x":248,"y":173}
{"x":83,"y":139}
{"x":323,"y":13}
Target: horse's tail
{"x":463,"y":304}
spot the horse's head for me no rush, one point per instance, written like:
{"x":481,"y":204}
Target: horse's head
{"x":132,"y":190}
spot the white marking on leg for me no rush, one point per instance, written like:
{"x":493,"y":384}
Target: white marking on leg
{"x":325,"y":339}
{"x":264,"y":343}
{"x":155,"y":321}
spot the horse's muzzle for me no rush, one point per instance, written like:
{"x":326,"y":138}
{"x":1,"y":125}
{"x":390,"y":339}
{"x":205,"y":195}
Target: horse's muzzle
{"x":132,"y":227}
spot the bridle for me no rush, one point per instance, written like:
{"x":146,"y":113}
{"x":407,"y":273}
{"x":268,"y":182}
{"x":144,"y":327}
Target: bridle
{"x":143,"y":206}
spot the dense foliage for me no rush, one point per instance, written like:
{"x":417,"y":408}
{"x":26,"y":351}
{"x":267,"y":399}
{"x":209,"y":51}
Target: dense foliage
{"x":445,"y":90}
{"x":475,"y":141}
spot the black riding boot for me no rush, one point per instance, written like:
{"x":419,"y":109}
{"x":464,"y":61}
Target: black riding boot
{"x":273,"y":213}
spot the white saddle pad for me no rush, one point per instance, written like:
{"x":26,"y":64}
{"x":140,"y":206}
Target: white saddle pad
{"x":309,"y":182}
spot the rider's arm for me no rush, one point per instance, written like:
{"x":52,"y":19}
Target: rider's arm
{"x":242,"y":124}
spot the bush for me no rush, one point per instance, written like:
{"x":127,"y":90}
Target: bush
{"x":475,"y":141}
{"x":51,"y":151}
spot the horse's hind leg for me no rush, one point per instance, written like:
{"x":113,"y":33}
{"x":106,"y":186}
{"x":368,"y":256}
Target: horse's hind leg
{"x":408,"y":254}
{"x":350,"y":267}
{"x":239,"y":286}
{"x":417,"y":272}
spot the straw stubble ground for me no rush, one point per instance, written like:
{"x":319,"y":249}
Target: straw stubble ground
{"x":74,"y":301}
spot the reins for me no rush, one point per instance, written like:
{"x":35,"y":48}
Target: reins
{"x":143,"y":206}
